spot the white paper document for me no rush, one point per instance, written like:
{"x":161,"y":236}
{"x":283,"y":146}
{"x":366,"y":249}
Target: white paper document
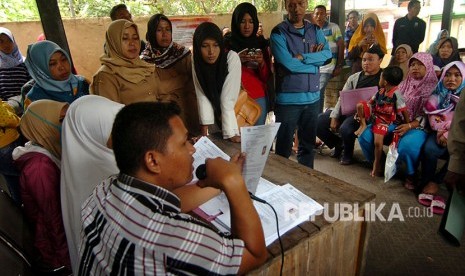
{"x":256,"y":142}
{"x":292,"y":207}
{"x":205,"y":148}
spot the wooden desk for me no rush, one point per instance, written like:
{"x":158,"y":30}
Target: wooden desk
{"x":319,"y":247}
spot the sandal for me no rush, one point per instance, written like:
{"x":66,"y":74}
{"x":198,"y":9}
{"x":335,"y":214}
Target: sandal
{"x":425,"y":199}
{"x":438,"y":205}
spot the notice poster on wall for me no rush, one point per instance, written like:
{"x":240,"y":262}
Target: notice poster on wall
{"x":184,"y":27}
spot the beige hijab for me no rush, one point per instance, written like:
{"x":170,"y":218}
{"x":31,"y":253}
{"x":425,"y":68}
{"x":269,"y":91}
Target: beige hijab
{"x":404,"y":65}
{"x":132,"y":70}
{"x":41,"y":125}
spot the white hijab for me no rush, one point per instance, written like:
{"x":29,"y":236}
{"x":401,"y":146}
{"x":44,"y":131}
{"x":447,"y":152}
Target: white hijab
{"x":86,"y":160}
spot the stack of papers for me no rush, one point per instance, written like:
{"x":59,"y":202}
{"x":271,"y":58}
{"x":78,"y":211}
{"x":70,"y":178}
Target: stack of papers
{"x":292,"y":206}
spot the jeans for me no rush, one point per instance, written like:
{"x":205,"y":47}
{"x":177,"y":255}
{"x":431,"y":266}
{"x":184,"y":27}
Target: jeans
{"x":324,"y":79}
{"x":302,"y":117}
{"x":347,"y":137}
{"x":9,"y":170}
{"x":429,"y":160}
{"x":263,"y":105}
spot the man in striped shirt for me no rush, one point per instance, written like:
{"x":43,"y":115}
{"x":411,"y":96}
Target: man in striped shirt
{"x":132,"y":223}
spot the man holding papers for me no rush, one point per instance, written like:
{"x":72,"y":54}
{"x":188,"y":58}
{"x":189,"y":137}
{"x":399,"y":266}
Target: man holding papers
{"x":337,"y":130}
{"x":132,"y":223}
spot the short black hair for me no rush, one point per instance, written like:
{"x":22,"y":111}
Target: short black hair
{"x":393,"y":75}
{"x":412,"y":3}
{"x":115,"y":9}
{"x":138,"y":128}
{"x":375,"y":49}
{"x":320,"y":7}
{"x":353,"y":12}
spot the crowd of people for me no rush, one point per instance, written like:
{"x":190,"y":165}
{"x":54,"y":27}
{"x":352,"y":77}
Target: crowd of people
{"x":100,"y":166}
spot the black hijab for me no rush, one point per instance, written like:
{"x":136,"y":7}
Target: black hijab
{"x":152,"y":26}
{"x":211,"y":77}
{"x":237,"y":41}
{"x":154,"y":53}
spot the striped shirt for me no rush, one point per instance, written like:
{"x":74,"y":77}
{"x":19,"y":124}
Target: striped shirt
{"x":11,"y":81}
{"x":130,"y":227}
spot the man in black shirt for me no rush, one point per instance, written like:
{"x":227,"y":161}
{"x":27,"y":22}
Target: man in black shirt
{"x":409,"y":29}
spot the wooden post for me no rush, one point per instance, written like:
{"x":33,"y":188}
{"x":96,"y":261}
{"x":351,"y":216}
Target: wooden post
{"x":338,"y":14}
{"x":52,"y":25}
{"x":447,"y":15}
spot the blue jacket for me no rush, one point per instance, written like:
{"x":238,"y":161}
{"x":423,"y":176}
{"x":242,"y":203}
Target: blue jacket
{"x":294,"y":75}
{"x":38,"y":93}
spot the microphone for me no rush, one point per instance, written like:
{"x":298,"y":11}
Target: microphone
{"x":201,"y":172}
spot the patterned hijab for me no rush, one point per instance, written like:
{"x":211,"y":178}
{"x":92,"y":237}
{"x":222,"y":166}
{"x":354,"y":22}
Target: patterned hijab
{"x":13,"y":59}
{"x":211,"y":77}
{"x":41,"y":125}
{"x":153,"y":53}
{"x":360,"y":34}
{"x":239,"y":42}
{"x":417,"y":92}
{"x":37,"y":63}
{"x":403,"y":65}
{"x":443,"y":95}
{"x":131,"y":70}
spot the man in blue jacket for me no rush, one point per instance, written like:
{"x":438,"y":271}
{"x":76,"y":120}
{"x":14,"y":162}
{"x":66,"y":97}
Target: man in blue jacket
{"x":299,"y":48}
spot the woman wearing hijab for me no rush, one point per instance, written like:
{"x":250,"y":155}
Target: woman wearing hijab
{"x":433,"y":48}
{"x":13,"y":71}
{"x":367,"y":34}
{"x":173,"y":66}
{"x":415,"y":89}
{"x":253,"y":52}
{"x":447,"y":52}
{"x":440,"y":109}
{"x":123,"y":76}
{"x":50,"y":67}
{"x":401,"y":57}
{"x":217,"y":80}
{"x":39,"y":164}
{"x":86,"y":159}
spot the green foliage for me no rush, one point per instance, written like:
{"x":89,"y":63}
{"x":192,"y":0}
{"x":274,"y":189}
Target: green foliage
{"x":313,"y":3}
{"x":12,"y":10}
{"x":26,"y":10}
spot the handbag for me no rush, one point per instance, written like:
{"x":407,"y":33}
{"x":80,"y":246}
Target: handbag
{"x":247,"y":110}
{"x":390,"y":168}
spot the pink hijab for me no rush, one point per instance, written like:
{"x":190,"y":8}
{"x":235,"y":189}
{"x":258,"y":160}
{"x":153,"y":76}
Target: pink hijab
{"x":417,"y":92}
